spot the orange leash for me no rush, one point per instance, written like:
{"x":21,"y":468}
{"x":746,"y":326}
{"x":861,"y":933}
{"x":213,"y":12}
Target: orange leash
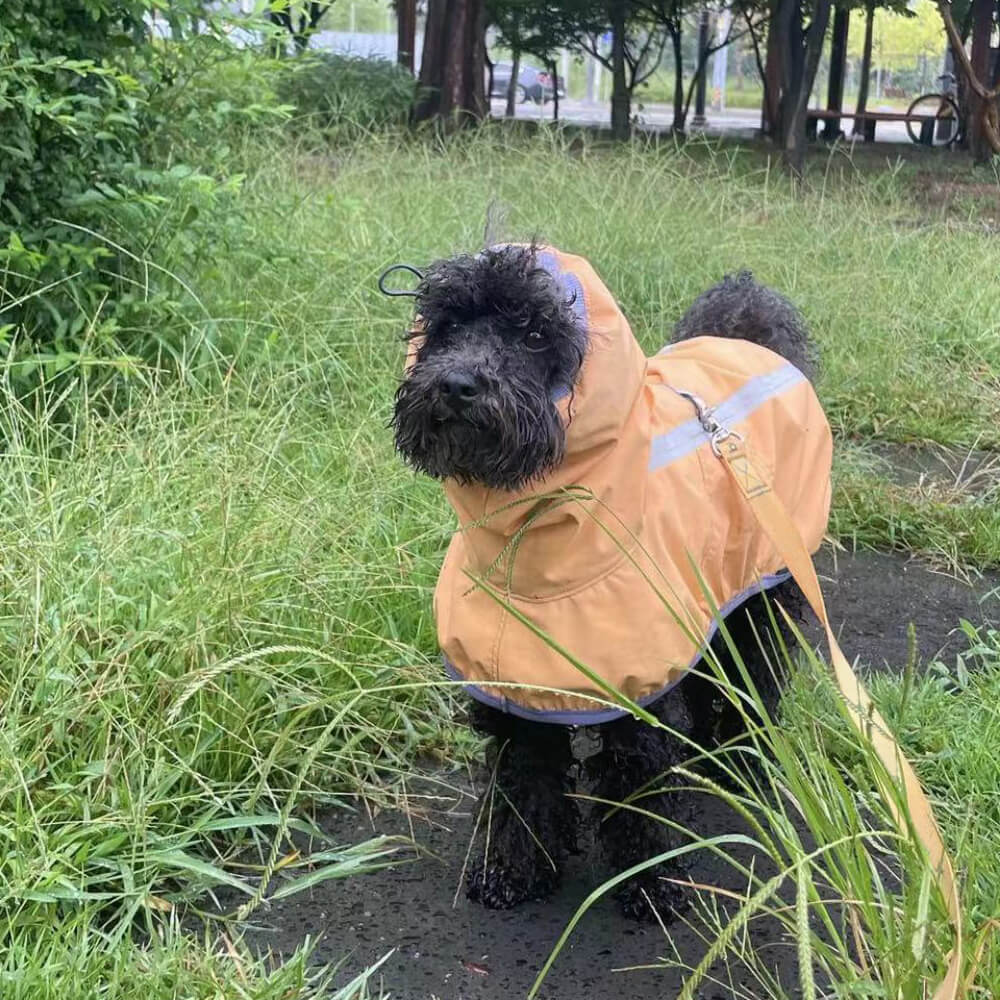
{"x":776,"y":522}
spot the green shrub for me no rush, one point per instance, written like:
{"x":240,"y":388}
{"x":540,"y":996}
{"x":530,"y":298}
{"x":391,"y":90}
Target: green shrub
{"x":69,"y":121}
{"x":121,"y":163}
{"x":103,"y":225}
{"x":346,"y":96}
{"x":208,"y":97}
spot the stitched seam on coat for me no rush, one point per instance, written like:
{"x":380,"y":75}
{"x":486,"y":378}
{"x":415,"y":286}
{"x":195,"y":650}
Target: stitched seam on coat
{"x":579,"y":588}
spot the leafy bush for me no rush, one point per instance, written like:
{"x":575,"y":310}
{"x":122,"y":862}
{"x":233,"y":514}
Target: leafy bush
{"x":121,"y":163}
{"x":346,"y":95}
{"x":101,"y":227}
{"x":70,"y":121}
{"x":208,"y":97}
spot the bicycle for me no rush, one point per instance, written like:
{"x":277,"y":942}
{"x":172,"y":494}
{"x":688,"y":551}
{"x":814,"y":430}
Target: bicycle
{"x":941,"y":121}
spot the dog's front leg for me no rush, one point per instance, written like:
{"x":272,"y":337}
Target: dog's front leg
{"x":633,"y":767}
{"x":527,"y":823}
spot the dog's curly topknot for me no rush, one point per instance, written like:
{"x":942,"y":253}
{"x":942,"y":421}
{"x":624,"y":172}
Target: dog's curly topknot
{"x":505,"y":282}
{"x":740,"y":308}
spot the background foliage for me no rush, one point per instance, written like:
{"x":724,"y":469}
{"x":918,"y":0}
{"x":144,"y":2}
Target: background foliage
{"x":119,"y":183}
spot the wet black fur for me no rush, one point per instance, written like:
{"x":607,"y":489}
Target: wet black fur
{"x":477,"y":313}
{"x":740,"y":308}
{"x":500,"y":320}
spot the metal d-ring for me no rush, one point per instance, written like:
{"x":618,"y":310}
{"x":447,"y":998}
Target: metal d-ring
{"x":398,"y":291}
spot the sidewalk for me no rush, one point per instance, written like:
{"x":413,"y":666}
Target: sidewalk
{"x":657,"y":117}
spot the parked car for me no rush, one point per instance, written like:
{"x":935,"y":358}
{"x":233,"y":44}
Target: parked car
{"x":532,"y":84}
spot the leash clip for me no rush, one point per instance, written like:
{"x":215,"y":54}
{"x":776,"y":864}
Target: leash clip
{"x":717,"y":432}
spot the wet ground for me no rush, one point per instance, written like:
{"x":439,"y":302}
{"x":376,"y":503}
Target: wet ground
{"x":872,"y":598}
{"x":443,"y":947}
{"x":470,"y":953}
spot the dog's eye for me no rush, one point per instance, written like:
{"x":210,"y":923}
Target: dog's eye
{"x":534,"y":341}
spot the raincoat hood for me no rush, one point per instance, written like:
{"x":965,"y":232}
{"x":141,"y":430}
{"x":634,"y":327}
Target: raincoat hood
{"x":625,"y":552}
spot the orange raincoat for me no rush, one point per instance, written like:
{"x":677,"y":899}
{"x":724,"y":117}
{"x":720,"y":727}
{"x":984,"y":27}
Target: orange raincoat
{"x":611,"y":555}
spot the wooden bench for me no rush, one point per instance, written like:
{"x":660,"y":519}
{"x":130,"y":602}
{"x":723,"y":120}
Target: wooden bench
{"x":869,"y":119}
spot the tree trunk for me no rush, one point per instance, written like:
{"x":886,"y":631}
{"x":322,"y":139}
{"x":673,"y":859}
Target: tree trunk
{"x":680,"y":116}
{"x":406,"y":32}
{"x":838,"y":62}
{"x":621,"y":110}
{"x":788,"y":28}
{"x":701,"y":70}
{"x":453,"y":67}
{"x":761,"y":70}
{"x":801,"y":61}
{"x":773,"y":73}
{"x":555,"y":90}
{"x":981,"y":97}
{"x":982,"y":29}
{"x":866,"y":68}
{"x":515,"y":72}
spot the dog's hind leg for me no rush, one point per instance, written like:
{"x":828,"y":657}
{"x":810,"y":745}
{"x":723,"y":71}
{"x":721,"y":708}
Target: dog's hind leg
{"x":758,"y":630}
{"x":634,"y":767}
{"x":527,"y":822}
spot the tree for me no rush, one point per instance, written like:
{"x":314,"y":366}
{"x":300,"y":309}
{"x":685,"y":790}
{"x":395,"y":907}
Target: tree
{"x":838,"y":61}
{"x":406,"y":32}
{"x":637,"y":44}
{"x":621,"y":93}
{"x":866,"y":66}
{"x":453,"y":66}
{"x":801,"y":27}
{"x":541,"y":28}
{"x":510,"y":109}
{"x":983,"y":124}
{"x":514,"y":21}
{"x":532,"y":27}
{"x":299,"y":19}
{"x":770,"y":73}
{"x":671,"y":14}
{"x":881,"y":19}
{"x":795,"y":39}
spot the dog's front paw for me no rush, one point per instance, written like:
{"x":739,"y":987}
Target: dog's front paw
{"x":500,"y":888}
{"x":651,"y":898}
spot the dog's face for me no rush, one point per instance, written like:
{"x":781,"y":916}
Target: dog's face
{"x":501,"y":344}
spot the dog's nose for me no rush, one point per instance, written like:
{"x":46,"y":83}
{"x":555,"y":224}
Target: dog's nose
{"x":459,"y":389}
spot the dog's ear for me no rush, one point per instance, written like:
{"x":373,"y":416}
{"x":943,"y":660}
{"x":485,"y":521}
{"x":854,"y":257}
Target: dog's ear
{"x":495,"y":230}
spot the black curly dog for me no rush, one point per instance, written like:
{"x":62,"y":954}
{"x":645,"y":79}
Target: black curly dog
{"x":477,"y":406}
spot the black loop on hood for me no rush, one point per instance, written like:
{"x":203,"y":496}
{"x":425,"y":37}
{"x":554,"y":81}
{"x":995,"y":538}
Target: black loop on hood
{"x":395,"y":292}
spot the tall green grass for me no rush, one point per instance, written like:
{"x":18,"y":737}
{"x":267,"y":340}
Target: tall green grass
{"x":215,"y":603}
{"x":201,"y":597}
{"x":829,"y":870}
{"x":906,"y":325}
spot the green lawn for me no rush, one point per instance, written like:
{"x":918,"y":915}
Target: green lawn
{"x":215,"y":611}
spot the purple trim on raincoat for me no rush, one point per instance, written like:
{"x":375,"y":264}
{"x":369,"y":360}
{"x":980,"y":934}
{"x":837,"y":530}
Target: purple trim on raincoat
{"x":591,"y":717}
{"x":574,"y":291}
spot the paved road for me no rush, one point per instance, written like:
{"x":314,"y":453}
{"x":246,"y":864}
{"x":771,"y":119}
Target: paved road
{"x":660,"y":116}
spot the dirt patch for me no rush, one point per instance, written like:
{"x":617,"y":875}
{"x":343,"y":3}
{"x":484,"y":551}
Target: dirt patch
{"x":873,"y":597}
{"x":951,"y":194}
{"x":465,"y":952}
{"x":469,"y":953}
{"x":953,"y":475}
